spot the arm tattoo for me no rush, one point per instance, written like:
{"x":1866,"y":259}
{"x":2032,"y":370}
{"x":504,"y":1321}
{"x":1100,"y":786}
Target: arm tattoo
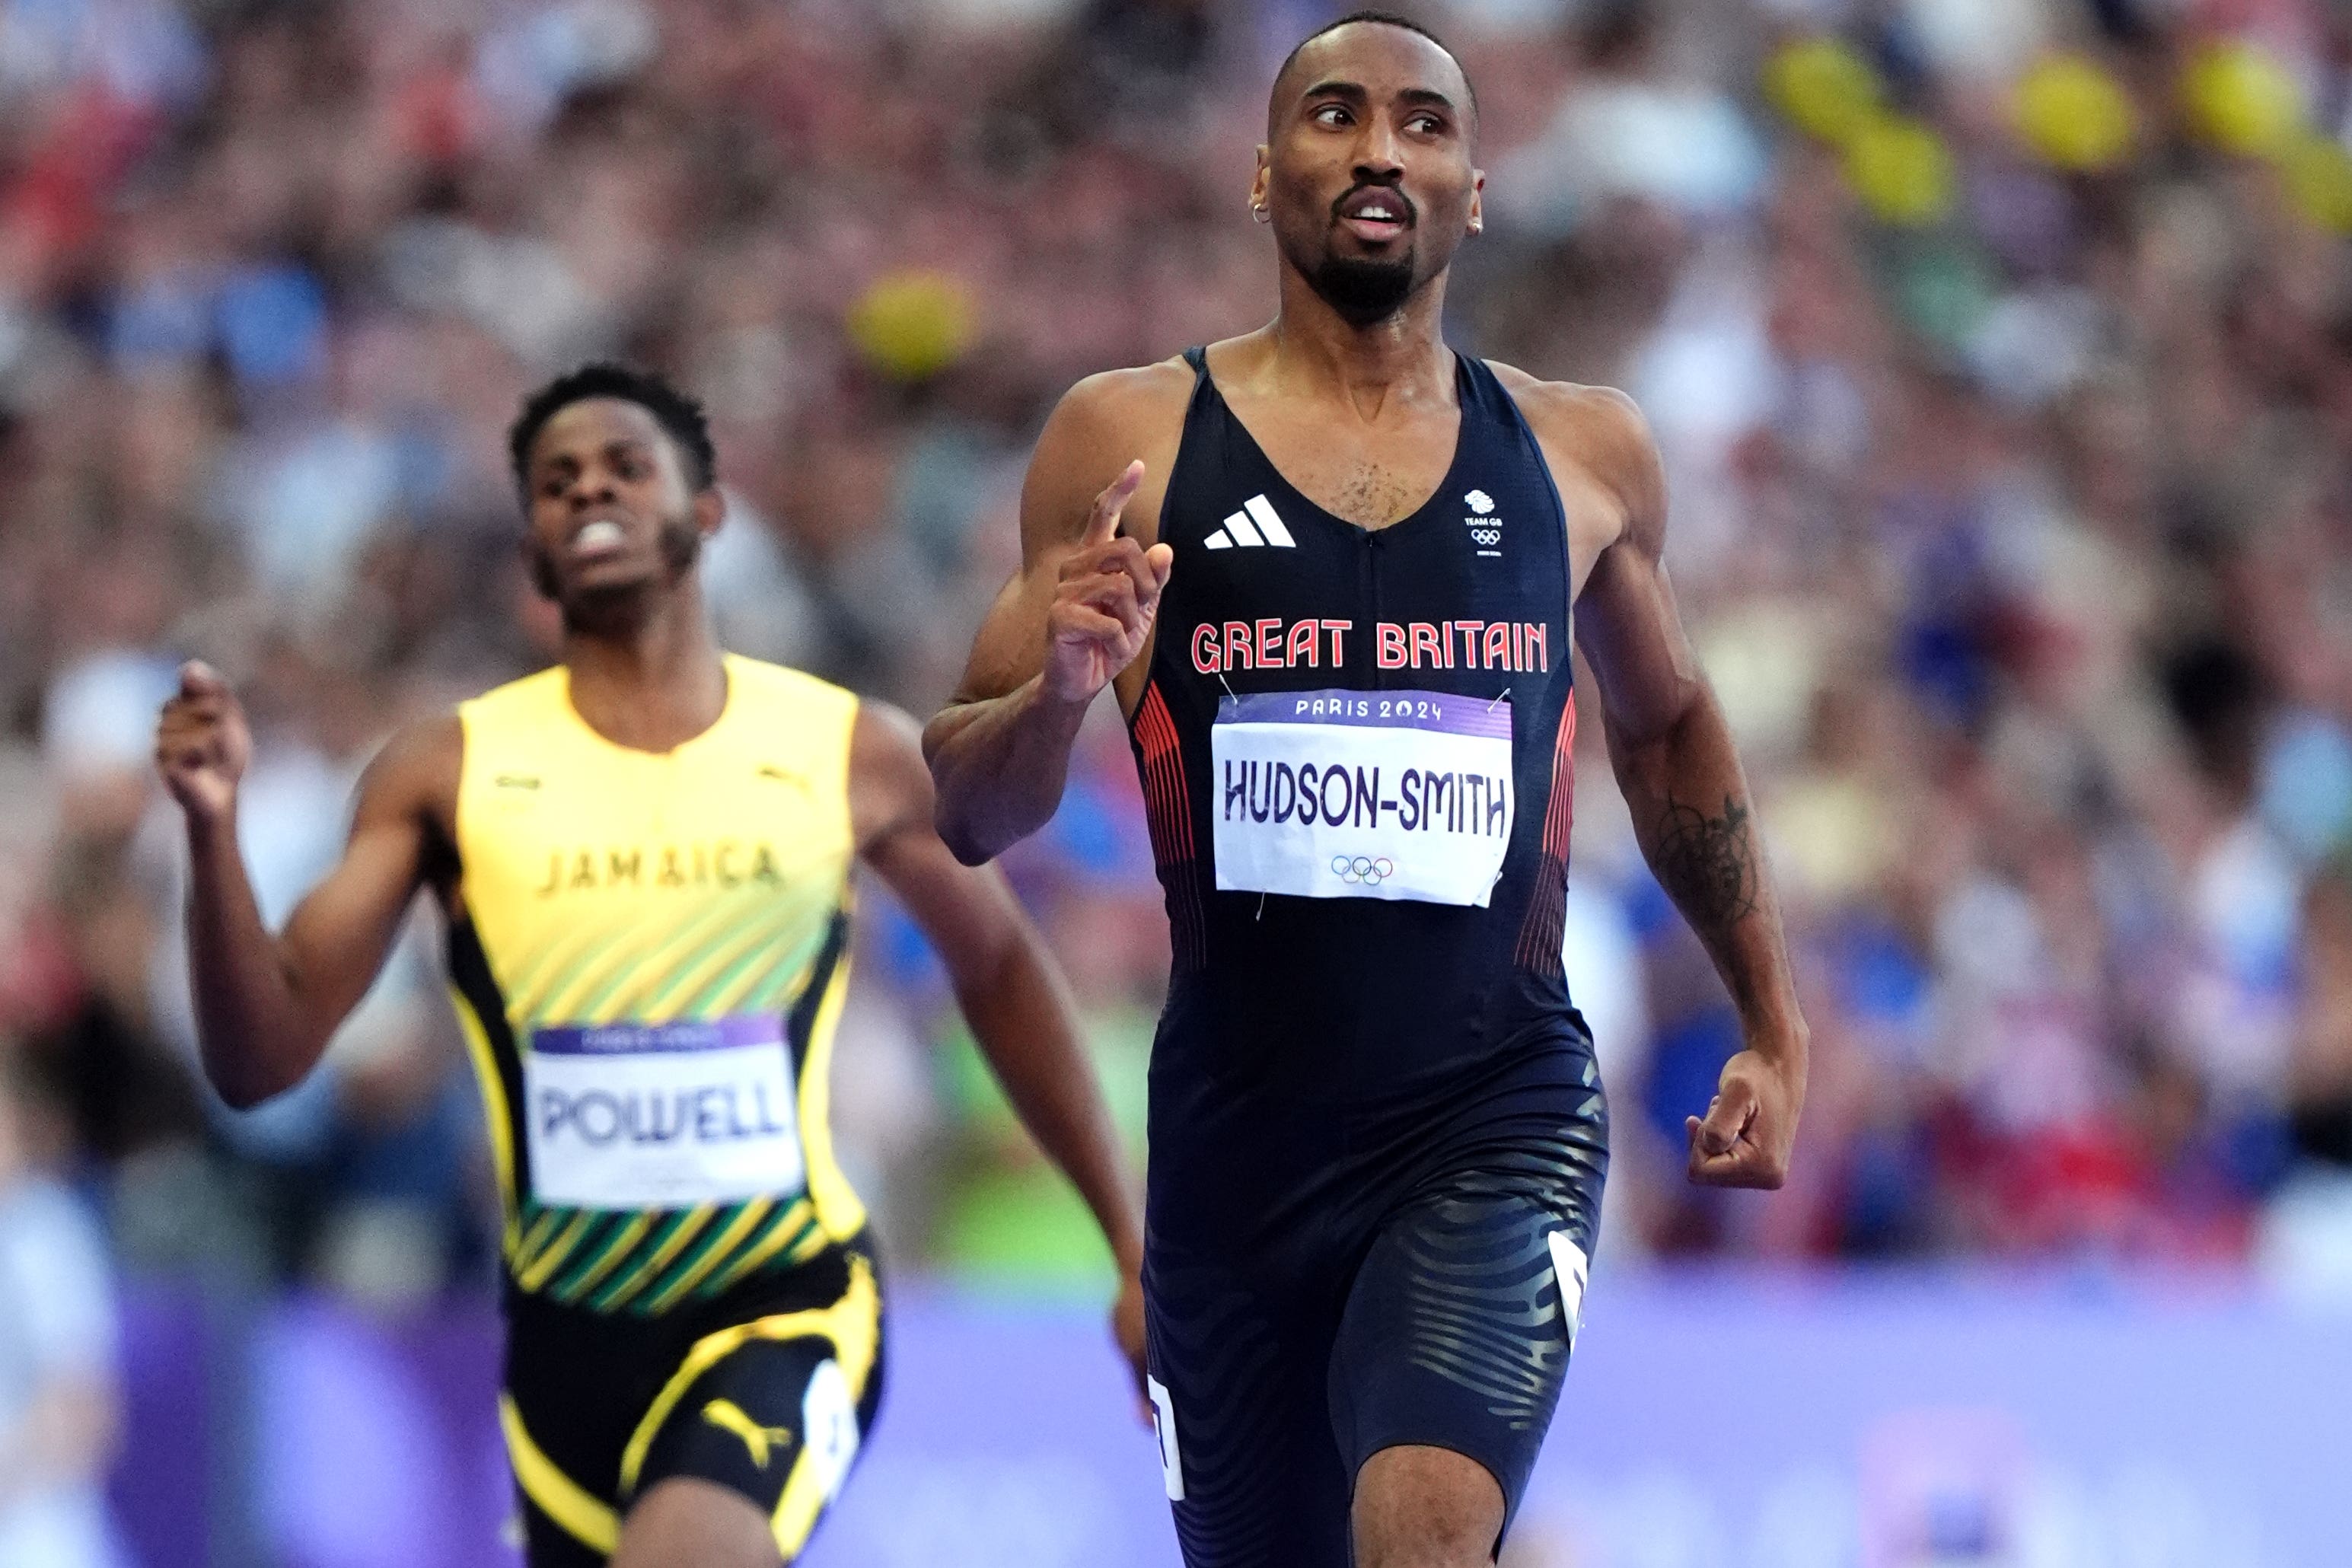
{"x":1707,"y":863}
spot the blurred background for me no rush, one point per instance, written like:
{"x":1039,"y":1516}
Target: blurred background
{"x":2001,"y":356}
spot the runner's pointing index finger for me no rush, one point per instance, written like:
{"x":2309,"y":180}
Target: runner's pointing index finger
{"x":1103,"y":523}
{"x":199,"y":680}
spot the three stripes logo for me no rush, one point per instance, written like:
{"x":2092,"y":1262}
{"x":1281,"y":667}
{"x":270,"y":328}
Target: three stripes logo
{"x":1252,"y":527}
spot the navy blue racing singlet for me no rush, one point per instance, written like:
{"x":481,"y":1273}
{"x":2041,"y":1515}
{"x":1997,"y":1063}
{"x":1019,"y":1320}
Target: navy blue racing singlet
{"x":1355,"y":750}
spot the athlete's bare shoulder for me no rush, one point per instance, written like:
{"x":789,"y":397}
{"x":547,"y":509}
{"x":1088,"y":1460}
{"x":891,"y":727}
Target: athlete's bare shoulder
{"x":420,"y":762}
{"x":1113,"y":398}
{"x":1102,"y":424}
{"x":414,"y":775}
{"x":1595,"y":435}
{"x":889,"y":782}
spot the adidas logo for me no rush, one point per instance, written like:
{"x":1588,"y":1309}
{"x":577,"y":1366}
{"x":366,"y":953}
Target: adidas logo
{"x":1254,"y":525}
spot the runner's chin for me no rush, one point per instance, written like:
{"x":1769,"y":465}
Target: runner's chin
{"x":1362,"y":288}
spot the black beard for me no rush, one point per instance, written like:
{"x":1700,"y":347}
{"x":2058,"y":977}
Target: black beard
{"x":681,"y":546}
{"x":1363,"y":292}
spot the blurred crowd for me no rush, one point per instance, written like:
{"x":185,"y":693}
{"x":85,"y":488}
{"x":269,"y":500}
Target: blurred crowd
{"x":2000,"y":351}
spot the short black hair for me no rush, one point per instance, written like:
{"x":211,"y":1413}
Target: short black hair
{"x":680,"y":415}
{"x":1378,"y":18}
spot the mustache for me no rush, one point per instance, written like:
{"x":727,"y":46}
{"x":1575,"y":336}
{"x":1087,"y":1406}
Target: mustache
{"x":1404,"y":203}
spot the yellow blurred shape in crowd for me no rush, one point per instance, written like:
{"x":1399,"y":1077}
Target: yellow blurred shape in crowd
{"x":913,"y":323}
{"x":1823,"y":87}
{"x":2074,"y":115}
{"x":2318,"y":174}
{"x":2242,"y":100}
{"x":1901,"y":169}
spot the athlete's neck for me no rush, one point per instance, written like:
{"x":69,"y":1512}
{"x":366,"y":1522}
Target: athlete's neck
{"x":657,"y":684}
{"x":1402,"y":360}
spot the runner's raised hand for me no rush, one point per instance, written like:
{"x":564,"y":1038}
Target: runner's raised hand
{"x":202,"y":742}
{"x":1109,"y":594}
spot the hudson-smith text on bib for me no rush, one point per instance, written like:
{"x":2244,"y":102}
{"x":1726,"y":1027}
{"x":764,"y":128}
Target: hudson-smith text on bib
{"x":635,"y":1116}
{"x":1362,"y":795}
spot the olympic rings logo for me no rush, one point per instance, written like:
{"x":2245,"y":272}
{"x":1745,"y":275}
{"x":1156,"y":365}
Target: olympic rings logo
{"x":1487,"y":535}
{"x":1369,"y":871}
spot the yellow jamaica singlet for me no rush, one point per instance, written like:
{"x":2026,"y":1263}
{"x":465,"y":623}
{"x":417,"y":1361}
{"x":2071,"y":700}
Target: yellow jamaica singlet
{"x":649,"y":962}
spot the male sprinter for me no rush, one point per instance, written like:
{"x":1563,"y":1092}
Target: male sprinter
{"x":644,"y":857}
{"x":1330,"y":578}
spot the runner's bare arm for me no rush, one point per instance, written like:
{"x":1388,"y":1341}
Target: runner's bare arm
{"x":1673,"y":759}
{"x":1019,"y":1011}
{"x":266,"y":1005}
{"x":1076,"y":615}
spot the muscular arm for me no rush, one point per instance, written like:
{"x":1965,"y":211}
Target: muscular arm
{"x":1019,"y":1009}
{"x":1076,"y":616}
{"x":267,"y":1005}
{"x":1673,"y":759}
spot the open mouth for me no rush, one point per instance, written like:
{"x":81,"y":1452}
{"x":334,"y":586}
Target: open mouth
{"x":597,"y":538}
{"x":1375,"y":214}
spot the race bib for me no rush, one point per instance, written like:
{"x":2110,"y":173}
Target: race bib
{"x":639,"y":1116}
{"x":1362,"y":795}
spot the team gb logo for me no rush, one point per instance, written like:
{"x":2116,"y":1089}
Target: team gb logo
{"x":1480,"y":502}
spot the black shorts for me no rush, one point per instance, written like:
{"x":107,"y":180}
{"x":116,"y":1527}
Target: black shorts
{"x":767,"y":1391}
{"x":1420,"y":1286}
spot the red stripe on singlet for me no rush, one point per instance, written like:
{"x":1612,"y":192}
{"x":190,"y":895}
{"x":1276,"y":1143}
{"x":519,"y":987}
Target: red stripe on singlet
{"x":1546,"y":916}
{"x":1168,"y":811}
{"x":1561,"y":817}
{"x":1165,"y":799}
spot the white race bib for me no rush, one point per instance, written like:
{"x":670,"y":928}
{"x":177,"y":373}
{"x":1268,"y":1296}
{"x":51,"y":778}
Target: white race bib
{"x":642,"y":1116}
{"x":1362,"y":795}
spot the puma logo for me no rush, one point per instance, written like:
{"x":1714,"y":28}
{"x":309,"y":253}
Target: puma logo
{"x":728,"y":1416}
